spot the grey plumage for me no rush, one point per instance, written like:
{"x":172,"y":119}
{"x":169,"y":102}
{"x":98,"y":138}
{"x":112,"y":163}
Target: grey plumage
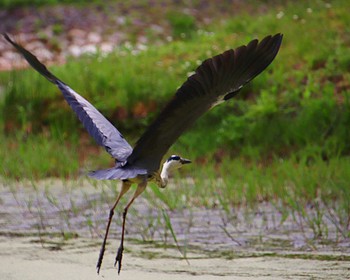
{"x":104,"y":133}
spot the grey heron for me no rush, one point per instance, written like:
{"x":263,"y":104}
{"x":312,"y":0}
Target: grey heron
{"x":216,"y":80}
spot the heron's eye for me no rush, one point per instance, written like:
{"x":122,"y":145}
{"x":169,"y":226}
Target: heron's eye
{"x":173,"y":158}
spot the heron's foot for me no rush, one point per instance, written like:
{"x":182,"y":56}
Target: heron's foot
{"x":118,"y":258}
{"x":100,"y":258}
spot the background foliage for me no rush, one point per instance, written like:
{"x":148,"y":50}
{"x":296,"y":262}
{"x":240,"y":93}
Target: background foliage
{"x":298,"y":108}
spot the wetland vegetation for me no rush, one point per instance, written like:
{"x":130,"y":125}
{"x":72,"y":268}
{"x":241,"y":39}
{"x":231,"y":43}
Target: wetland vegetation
{"x":281,"y":147}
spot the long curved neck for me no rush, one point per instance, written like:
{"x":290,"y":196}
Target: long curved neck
{"x":164,"y":175}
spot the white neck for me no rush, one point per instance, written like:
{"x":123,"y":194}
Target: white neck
{"x":164,"y":175}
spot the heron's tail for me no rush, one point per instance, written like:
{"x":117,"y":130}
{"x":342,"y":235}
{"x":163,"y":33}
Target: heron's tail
{"x":122,"y":173}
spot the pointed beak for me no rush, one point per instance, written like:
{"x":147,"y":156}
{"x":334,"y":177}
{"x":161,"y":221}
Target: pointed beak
{"x":185,"y":161}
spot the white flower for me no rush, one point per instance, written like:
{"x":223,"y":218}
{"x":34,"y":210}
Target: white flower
{"x":280,"y":15}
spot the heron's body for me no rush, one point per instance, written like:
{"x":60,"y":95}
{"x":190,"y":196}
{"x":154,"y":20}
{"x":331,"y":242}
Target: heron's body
{"x":215,"y":81}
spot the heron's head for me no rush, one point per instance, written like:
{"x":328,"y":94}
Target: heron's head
{"x":176,"y":162}
{"x":172,"y":163}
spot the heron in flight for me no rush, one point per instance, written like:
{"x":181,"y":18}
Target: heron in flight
{"x":215,"y":81}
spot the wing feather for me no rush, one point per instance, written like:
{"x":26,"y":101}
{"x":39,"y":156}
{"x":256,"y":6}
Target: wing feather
{"x":217,"y":78}
{"x":104,"y":133}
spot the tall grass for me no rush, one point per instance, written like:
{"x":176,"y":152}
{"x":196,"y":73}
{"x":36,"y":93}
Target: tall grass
{"x":36,"y":157}
{"x":313,"y":194}
{"x":297,"y":109}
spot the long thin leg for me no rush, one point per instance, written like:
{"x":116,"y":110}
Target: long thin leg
{"x":118,"y":259}
{"x":125,"y":187}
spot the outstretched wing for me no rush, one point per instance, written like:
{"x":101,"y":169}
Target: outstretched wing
{"x":216,"y":80}
{"x":104,"y":133}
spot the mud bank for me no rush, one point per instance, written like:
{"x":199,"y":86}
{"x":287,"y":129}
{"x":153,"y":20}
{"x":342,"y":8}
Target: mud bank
{"x":26,"y":258}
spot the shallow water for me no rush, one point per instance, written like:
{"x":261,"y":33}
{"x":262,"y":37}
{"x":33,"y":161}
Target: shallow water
{"x":244,"y":243}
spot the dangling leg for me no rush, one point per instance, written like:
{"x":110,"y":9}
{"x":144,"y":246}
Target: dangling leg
{"x":125,"y":187}
{"x":118,"y":259}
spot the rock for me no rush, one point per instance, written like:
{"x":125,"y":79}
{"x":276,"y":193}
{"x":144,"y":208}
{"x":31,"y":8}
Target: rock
{"x":75,"y":34}
{"x":89,"y":49}
{"x":106,"y":47}
{"x":74,"y":50}
{"x":94,"y":37}
{"x":5,"y":64}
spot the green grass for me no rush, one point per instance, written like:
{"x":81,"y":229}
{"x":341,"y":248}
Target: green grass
{"x":298,"y":107}
{"x":285,"y":139}
{"x":294,"y":187}
{"x":36,"y":157}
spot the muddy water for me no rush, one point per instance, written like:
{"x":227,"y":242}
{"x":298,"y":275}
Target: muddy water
{"x":244,"y":244}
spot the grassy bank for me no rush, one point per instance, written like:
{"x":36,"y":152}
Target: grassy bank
{"x":298,"y":107}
